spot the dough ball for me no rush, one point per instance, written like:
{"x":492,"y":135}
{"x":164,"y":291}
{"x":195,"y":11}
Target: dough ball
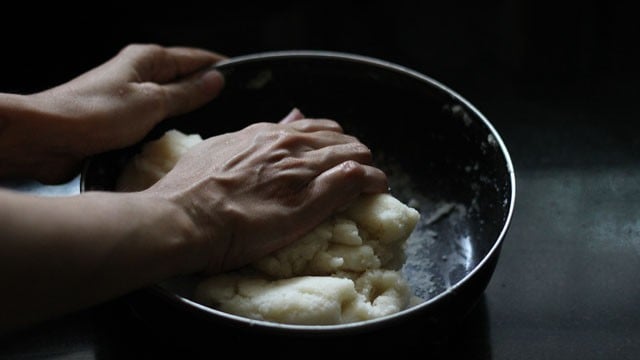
{"x":369,"y":234}
{"x":305,"y":300}
{"x":383,"y":218}
{"x":344,"y":270}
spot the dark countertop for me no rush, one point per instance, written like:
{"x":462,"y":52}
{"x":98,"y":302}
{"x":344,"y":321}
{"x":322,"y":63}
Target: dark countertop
{"x":559,"y":87}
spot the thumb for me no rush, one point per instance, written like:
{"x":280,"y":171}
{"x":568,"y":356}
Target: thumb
{"x":189,"y":93}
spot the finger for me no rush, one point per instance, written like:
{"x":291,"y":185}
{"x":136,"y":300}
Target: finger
{"x":312,"y":125}
{"x":300,"y":143}
{"x":337,"y":187}
{"x":294,"y":115}
{"x":188,"y":60}
{"x":159,"y":64}
{"x":330,"y":156}
{"x":192,"y":92}
{"x":193,"y":51}
{"x":318,"y":161}
{"x":351,"y":174}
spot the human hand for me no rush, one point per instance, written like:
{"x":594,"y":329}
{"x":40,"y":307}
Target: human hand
{"x":114,"y":105}
{"x":251,"y":192}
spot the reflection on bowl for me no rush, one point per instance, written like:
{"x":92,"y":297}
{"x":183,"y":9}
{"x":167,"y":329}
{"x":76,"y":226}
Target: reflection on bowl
{"x":442,"y":156}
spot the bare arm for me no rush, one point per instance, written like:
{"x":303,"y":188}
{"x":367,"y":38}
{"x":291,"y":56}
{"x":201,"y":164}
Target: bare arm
{"x":63,"y":254}
{"x":46,"y":135}
{"x":230,"y":200}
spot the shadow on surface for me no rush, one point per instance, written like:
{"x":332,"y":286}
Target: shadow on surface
{"x":175,"y":335}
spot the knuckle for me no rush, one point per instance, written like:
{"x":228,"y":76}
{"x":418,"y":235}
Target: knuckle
{"x":281,"y":157}
{"x":351,"y":168}
{"x":334,"y":126}
{"x":139,"y":48}
{"x":153,"y":92}
{"x":142,"y":51}
{"x":360,"y":148}
{"x":259,"y":127}
{"x":266,"y":136}
{"x":154,"y":96}
{"x":330,"y":125}
{"x":287,"y":162}
{"x":284,"y":138}
{"x":360,"y":152}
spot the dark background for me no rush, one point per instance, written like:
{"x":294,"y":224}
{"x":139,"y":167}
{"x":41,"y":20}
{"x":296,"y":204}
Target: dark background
{"x":558,"y":82}
{"x":512,"y":59}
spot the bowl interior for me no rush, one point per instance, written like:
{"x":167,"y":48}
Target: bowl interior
{"x":441,"y":155}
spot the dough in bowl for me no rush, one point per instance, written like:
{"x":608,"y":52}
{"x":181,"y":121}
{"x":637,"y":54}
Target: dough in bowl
{"x":345,"y":270}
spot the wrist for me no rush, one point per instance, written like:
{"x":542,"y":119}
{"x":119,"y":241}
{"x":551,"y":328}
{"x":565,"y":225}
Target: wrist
{"x":182,"y":239}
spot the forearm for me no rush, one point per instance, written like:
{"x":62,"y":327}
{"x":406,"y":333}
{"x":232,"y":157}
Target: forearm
{"x":63,"y":254}
{"x":13,"y":111}
{"x":35,"y":141}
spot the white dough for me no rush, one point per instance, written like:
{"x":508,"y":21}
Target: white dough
{"x":344,"y":270}
{"x":156,"y":159}
{"x":307,"y":300}
{"x":368,"y":235}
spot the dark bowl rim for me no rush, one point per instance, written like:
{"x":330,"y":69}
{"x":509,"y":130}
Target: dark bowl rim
{"x":374,"y":323}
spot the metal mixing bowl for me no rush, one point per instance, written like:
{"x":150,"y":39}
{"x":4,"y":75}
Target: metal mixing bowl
{"x":441,"y":154}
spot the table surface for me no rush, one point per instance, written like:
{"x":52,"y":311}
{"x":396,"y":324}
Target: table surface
{"x":567,"y":281}
{"x":566,"y":284}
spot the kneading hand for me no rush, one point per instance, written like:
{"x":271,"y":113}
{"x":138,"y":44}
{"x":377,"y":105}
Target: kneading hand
{"x":253,"y":191}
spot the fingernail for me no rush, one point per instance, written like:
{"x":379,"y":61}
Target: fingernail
{"x":212,"y":81}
